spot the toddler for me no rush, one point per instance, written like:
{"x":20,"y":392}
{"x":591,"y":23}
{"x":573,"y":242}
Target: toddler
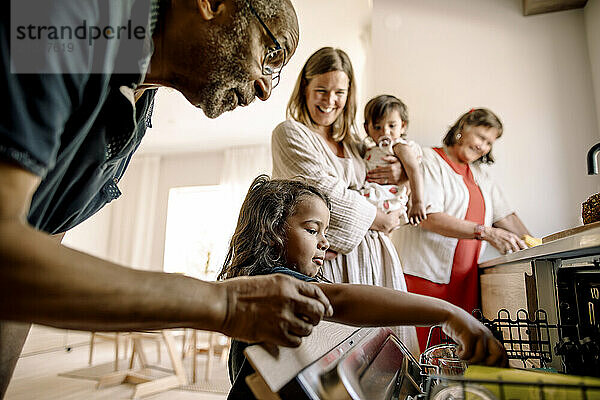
{"x":386,"y":122}
{"x":282,"y":228}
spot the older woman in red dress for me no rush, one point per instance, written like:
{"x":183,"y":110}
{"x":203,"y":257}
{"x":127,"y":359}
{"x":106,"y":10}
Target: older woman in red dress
{"x":465,"y":209}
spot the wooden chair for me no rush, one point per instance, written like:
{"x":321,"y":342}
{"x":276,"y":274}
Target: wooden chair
{"x":210,"y":343}
{"x":140,"y":376}
{"x":117,"y":337}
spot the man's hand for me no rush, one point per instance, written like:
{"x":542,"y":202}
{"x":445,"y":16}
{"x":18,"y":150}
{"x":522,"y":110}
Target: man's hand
{"x":476,"y":344}
{"x":276,"y":309}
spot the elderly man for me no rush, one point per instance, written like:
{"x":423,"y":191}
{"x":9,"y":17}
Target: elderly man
{"x":68,"y":135}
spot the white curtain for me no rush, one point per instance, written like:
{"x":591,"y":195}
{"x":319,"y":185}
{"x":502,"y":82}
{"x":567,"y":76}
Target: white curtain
{"x":240,"y":167}
{"x":133,"y":214}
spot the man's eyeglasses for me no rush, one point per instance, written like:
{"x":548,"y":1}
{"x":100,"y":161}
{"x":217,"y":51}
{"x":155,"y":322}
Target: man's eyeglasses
{"x":274,"y":60}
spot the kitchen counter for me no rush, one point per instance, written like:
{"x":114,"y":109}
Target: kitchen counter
{"x":581,"y":244}
{"x":521,"y":285}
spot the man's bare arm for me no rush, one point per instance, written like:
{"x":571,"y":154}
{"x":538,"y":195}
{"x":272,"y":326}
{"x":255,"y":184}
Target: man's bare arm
{"x":58,"y":238}
{"x":44,"y":283}
{"x":50,"y":284}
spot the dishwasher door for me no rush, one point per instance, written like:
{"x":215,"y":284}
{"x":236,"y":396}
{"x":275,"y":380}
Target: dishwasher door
{"x":370,"y":364}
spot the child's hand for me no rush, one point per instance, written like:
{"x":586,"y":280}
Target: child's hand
{"x":416,"y":212}
{"x":476,"y":344}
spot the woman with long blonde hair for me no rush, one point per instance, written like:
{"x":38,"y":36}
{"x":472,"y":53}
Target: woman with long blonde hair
{"x":318,"y":142}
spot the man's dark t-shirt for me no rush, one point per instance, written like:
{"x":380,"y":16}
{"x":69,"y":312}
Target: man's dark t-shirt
{"x":76,"y":131}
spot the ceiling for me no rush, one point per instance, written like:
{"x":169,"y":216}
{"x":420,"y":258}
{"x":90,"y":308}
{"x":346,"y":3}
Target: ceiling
{"x":179,"y":127}
{"x":532,"y":7}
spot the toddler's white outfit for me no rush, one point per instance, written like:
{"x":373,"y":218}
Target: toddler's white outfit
{"x":387,"y":197}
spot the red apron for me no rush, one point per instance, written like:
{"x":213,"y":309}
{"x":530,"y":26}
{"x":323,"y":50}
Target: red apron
{"x":463,"y":288}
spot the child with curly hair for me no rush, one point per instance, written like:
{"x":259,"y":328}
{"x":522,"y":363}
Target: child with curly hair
{"x":282,"y":229}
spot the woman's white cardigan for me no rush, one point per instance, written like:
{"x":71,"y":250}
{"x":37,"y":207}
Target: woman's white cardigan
{"x":429,"y":255}
{"x":365,"y":256}
{"x":297,"y":151}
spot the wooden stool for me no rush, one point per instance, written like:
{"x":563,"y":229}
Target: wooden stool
{"x":145,"y":383}
{"x":215,"y":344}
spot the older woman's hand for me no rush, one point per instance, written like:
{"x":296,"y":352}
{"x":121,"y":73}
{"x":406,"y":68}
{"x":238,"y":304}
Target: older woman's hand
{"x":391,"y":174}
{"x":387,"y":222}
{"x":503,"y":240}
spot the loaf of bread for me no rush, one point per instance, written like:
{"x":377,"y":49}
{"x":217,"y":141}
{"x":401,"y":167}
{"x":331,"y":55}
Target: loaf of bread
{"x":590,"y":209}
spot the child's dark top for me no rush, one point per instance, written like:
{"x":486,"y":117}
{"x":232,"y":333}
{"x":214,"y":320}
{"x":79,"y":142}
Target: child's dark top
{"x":239,"y":367}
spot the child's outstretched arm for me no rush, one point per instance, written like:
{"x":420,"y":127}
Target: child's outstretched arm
{"x":416,"y":208}
{"x":365,"y":305}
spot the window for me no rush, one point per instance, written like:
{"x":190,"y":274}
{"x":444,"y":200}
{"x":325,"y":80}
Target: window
{"x":200,"y":222}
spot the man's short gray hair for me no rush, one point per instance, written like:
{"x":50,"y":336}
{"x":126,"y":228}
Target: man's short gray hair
{"x":266,"y":9}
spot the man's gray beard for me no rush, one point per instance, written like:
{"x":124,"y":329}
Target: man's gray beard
{"x":225,"y":50}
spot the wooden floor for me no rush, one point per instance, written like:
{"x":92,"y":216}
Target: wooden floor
{"x":45,"y":356}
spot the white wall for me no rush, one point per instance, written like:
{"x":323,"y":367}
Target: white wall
{"x":177,"y":171}
{"x":322,"y":23}
{"x":92,"y":235}
{"x":444,"y":57}
{"x":180,"y":127}
{"x":591,"y":14}
{"x":133,"y":214}
{"x":345,"y":24}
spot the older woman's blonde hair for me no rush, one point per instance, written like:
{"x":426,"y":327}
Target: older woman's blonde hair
{"x":325,"y":60}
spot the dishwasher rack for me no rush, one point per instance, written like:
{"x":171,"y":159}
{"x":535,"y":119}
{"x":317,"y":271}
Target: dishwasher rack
{"x":442,"y":387}
{"x":525,"y":339}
